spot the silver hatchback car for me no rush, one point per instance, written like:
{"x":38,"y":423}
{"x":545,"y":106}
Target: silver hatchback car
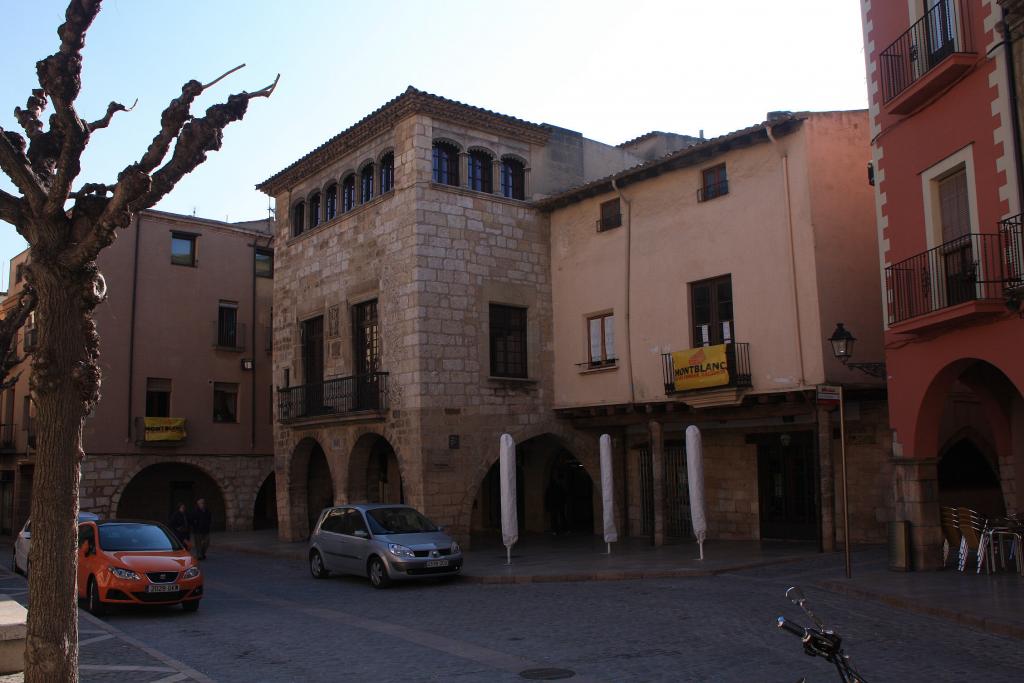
{"x":384,"y":542}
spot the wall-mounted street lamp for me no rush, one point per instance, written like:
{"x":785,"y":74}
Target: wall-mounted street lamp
{"x":842,"y":348}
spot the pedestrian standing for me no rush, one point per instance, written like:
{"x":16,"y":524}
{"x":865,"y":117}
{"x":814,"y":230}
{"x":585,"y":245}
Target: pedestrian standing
{"x":179,"y":523}
{"x":200,"y":524}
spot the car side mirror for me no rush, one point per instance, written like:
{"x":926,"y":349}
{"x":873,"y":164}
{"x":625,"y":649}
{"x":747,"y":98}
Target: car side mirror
{"x":361,"y":533}
{"x":90,"y":549}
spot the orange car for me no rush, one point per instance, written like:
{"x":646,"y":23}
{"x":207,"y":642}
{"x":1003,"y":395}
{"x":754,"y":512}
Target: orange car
{"x":124,"y":562}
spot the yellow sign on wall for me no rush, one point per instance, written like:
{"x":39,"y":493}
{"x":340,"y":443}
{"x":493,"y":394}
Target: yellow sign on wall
{"x":700,"y":368}
{"x":165,"y":428}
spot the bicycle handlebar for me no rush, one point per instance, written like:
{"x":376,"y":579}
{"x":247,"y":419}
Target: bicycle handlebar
{"x":795,"y":629}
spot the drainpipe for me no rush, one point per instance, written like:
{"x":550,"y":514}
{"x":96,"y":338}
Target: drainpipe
{"x":629,"y":260}
{"x":131,"y":323}
{"x":792,"y":246}
{"x":1011,"y":73}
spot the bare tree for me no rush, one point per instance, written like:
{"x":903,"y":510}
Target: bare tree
{"x":43,"y":164}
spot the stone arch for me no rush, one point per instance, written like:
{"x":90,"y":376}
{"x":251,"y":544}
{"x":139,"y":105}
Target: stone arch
{"x":485,"y":150}
{"x":579,"y":445}
{"x":264,"y":508}
{"x":152,"y":489}
{"x":373,"y":457}
{"x":379,"y":157}
{"x":309,"y":483}
{"x":443,"y":140}
{"x":515,"y":157}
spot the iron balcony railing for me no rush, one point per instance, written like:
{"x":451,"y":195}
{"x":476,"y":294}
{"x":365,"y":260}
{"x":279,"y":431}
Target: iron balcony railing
{"x":228,"y":336}
{"x":7,"y":435}
{"x":737,"y":356}
{"x":337,"y":396}
{"x":945,"y":29}
{"x":974,"y":267}
{"x":713,"y":190}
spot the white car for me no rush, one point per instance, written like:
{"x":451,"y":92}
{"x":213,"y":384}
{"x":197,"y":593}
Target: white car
{"x":24,"y":539}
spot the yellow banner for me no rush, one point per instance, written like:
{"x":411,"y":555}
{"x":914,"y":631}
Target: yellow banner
{"x":165,"y":428}
{"x":706,"y":366}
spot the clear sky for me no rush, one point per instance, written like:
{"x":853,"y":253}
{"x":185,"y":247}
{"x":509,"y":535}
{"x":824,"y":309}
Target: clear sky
{"x":611,"y":70}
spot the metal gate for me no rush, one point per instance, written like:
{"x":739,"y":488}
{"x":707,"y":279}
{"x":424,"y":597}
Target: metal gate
{"x":678,"y":523}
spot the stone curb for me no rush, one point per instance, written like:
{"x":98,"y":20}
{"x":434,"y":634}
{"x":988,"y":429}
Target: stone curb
{"x":570,"y":577}
{"x":975,"y":621}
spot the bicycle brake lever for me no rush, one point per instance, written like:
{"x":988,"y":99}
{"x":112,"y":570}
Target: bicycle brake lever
{"x":796,"y":596}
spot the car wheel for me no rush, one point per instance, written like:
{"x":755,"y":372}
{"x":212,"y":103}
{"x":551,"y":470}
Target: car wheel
{"x":316,"y":566}
{"x":190,"y":606}
{"x":378,"y":573}
{"x":96,"y":606}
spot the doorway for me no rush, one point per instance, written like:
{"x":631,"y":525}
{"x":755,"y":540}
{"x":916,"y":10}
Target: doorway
{"x":787,"y":486}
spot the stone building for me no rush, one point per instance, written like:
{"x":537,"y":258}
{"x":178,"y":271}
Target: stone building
{"x":750,"y":246}
{"x":420,"y":259}
{"x":186,"y":397}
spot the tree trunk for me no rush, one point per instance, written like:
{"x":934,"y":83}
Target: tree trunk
{"x":64,"y":386}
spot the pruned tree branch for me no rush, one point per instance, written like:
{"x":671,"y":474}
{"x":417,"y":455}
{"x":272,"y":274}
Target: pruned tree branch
{"x":112,"y":109}
{"x":30,"y":118}
{"x":10,"y":209}
{"x":60,"y":75}
{"x":16,"y":165}
{"x":9,"y":327}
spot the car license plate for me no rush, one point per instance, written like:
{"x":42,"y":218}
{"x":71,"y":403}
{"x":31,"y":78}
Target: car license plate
{"x":163,"y":588}
{"x":437,"y":563}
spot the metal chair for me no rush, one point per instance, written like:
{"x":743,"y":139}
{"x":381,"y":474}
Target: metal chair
{"x":952,"y":537}
{"x":972,"y":529}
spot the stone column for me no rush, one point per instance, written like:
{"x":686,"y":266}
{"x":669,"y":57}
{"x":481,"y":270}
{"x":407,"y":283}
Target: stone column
{"x":527,"y":184}
{"x":464,"y":169}
{"x":827,"y":480}
{"x":496,"y":176}
{"x":917,"y":501}
{"x":658,"y":475}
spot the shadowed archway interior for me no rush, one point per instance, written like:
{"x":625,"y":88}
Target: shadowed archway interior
{"x":155,"y":492}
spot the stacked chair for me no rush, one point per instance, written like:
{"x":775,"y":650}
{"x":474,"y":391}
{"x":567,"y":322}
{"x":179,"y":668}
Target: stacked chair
{"x":970,"y":532}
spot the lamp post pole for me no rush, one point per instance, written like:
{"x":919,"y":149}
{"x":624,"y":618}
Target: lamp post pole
{"x":846,"y":499}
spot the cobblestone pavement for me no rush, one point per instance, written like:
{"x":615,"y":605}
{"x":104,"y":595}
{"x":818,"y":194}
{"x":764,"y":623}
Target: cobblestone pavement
{"x":266,"y":619}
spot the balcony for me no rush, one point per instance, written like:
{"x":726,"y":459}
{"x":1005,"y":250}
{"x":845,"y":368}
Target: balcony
{"x":31,"y":339}
{"x":737,"y":366}
{"x":929,"y":56}
{"x":227,"y":336}
{"x":337,"y":397}
{"x":973,"y":271}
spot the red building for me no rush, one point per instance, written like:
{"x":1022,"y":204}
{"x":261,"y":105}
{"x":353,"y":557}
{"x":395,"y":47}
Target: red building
{"x":946,"y":167}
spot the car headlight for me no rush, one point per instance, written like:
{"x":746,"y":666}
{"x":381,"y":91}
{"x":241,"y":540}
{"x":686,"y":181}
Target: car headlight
{"x":456,"y":548}
{"x":123,"y":573}
{"x":401,"y":551}
{"x":191,"y":573}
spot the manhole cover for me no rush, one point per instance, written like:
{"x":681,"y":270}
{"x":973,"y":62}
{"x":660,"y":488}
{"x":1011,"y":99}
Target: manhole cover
{"x":546,"y":674}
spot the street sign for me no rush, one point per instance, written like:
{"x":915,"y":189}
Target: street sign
{"x":829,"y":394}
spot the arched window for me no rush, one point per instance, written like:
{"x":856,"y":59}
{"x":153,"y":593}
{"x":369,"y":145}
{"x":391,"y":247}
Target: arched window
{"x":348,"y":193}
{"x":314,"y":210}
{"x":366,"y":184}
{"x":298,"y":219}
{"x":331,"y":202}
{"x":513,"y":179}
{"x":387,"y":172}
{"x":446,"y":163}
{"x":480,"y":171}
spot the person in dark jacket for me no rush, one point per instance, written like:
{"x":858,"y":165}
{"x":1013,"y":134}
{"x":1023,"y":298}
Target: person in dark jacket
{"x":200,"y":525}
{"x":179,"y":523}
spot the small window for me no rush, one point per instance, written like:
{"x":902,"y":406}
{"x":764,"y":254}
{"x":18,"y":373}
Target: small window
{"x":513,"y":179}
{"x":711,"y":302}
{"x":225,"y":402}
{"x":611,"y":215}
{"x":183,"y":249}
{"x":158,"y":397}
{"x":299,"y":219}
{"x":227,"y":325}
{"x":714,"y":183}
{"x":508,"y":341}
{"x":480,"y":172}
{"x":348,"y":194}
{"x":366,"y":184}
{"x":601,"y":338}
{"x":446,"y":163}
{"x":314,"y":210}
{"x":19,"y":272}
{"x":387,"y":172}
{"x":264,"y":262}
{"x":331,"y":201}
